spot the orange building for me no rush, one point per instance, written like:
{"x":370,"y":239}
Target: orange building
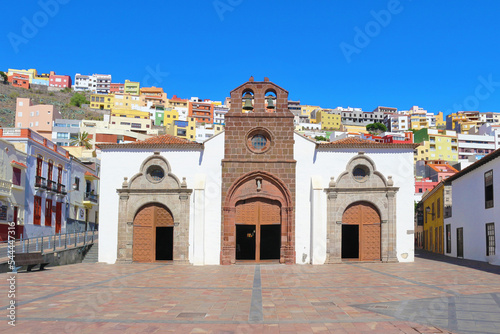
{"x":202,"y":112}
{"x":155,"y":95}
{"x":19,"y":80}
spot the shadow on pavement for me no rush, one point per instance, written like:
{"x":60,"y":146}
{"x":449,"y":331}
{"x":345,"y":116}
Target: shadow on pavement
{"x":478,"y":265}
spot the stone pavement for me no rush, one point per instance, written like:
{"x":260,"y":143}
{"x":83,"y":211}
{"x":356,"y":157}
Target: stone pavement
{"x":432,"y":295}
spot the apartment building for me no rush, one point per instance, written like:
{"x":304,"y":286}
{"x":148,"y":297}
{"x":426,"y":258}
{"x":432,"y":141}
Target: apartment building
{"x":65,"y":131}
{"x":436,"y":145}
{"x":131,"y":87}
{"x":202,"y":112}
{"x":39,"y":117}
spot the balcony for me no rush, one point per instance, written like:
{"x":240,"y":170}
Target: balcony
{"x":51,"y":186}
{"x":61,"y":189}
{"x":5,"y":188}
{"x":40,"y":182}
{"x":90,"y":199}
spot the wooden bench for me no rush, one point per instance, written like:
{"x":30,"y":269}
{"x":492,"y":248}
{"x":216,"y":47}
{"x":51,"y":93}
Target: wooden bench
{"x":30,"y":260}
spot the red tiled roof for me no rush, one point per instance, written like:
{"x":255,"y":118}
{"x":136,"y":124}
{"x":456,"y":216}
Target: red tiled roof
{"x":18,"y":163}
{"x":353,"y":142}
{"x":443,"y":168}
{"x":166,"y":141}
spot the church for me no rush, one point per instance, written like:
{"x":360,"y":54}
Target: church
{"x":257,"y":192}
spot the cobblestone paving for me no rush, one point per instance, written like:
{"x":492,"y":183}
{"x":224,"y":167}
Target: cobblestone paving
{"x":432,"y":295}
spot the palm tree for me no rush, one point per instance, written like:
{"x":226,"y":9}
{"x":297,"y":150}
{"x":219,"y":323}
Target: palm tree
{"x":82,"y":140}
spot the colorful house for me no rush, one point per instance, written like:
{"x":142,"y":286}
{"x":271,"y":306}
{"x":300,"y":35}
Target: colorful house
{"x":436,"y":145}
{"x":38,"y":117}
{"x":433,"y":210}
{"x":101,"y":101}
{"x":59,"y":81}
{"x":19,"y":80}
{"x":130,"y":87}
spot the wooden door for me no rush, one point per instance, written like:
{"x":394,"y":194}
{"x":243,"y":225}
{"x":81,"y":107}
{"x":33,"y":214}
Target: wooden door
{"x":145,"y":223}
{"x":58,"y":217}
{"x":258,"y":212}
{"x":460,"y":242}
{"x":366,"y":216}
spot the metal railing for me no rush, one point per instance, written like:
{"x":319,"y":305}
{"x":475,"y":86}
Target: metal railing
{"x":49,"y":244}
{"x":40,"y":182}
{"x":91,"y":197}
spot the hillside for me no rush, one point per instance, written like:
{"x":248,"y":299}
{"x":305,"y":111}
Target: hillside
{"x":60,"y":100}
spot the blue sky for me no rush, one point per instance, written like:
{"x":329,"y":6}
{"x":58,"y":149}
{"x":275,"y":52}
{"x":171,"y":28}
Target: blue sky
{"x":440,"y":55}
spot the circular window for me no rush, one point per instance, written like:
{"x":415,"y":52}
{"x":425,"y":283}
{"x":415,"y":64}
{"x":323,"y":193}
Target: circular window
{"x":155,"y":173}
{"x":258,"y":140}
{"x":360,"y":173}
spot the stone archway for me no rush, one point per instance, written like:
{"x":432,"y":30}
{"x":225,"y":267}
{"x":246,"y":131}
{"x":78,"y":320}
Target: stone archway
{"x":258,"y":199}
{"x":165,"y":201}
{"x":148,"y":234}
{"x":361,"y":182}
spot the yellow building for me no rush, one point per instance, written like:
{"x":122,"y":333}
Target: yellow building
{"x":418,"y":121}
{"x":170,"y":116}
{"x":433,"y":209}
{"x":462,"y":121}
{"x":126,"y":101}
{"x":183,"y":129}
{"x":440,"y":120}
{"x":305,"y":110}
{"x":328,"y":121}
{"x":134,"y":120}
{"x":131,"y":87}
{"x":436,"y":145}
{"x":101,"y":101}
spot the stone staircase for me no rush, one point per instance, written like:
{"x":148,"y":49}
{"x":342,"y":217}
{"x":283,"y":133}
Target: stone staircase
{"x":91,"y":256}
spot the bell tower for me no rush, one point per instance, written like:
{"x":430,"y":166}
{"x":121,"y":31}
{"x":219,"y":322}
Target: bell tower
{"x":258,"y":176}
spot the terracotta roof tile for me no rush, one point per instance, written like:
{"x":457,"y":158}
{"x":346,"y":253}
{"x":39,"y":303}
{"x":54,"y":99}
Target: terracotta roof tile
{"x":154,"y":142}
{"x":19,"y":163}
{"x":353,"y":142}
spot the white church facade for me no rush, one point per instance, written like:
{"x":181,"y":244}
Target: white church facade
{"x":256,"y":192}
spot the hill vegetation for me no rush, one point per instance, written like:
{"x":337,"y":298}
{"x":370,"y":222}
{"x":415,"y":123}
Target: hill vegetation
{"x":61,"y":101}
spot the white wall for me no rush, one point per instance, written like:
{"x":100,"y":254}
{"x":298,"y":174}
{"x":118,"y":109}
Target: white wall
{"x":397,"y":163}
{"x":115,"y":165}
{"x":469,"y":212}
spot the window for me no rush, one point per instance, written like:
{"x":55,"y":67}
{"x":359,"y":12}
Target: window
{"x":48,"y":212}
{"x":20,"y":114}
{"x":49,"y":170}
{"x":448,"y":238}
{"x":38,"y":210}
{"x":438,"y":207}
{"x":432,"y":211}
{"x":16,"y":176}
{"x":76,"y":186}
{"x":490,"y":239}
{"x":488,"y":189}
{"x":39,"y":161}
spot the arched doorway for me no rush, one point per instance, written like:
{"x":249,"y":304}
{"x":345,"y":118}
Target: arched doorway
{"x":258,"y":220}
{"x":361,"y":232}
{"x":153,"y":234}
{"x":258,"y":229}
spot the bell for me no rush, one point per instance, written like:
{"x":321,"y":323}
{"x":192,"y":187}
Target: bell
{"x":248,"y":105}
{"x":270,"y":103}
{"x":248,"y":101}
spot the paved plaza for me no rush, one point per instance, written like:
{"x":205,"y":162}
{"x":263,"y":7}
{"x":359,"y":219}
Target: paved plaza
{"x":432,"y":295}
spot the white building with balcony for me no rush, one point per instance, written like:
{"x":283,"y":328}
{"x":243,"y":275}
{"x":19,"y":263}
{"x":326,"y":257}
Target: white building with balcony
{"x":12,"y":190}
{"x":474,"y":146}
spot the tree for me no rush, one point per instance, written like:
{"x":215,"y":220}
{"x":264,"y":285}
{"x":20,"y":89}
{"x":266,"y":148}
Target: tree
{"x":376,"y":128}
{"x":82,"y":140}
{"x":321,"y":138}
{"x":4,"y":77}
{"x":78,"y":99}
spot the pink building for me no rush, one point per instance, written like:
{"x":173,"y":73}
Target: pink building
{"x":116,"y":88}
{"x":424,"y":184}
{"x":59,"y":81}
{"x":38,"y":117}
